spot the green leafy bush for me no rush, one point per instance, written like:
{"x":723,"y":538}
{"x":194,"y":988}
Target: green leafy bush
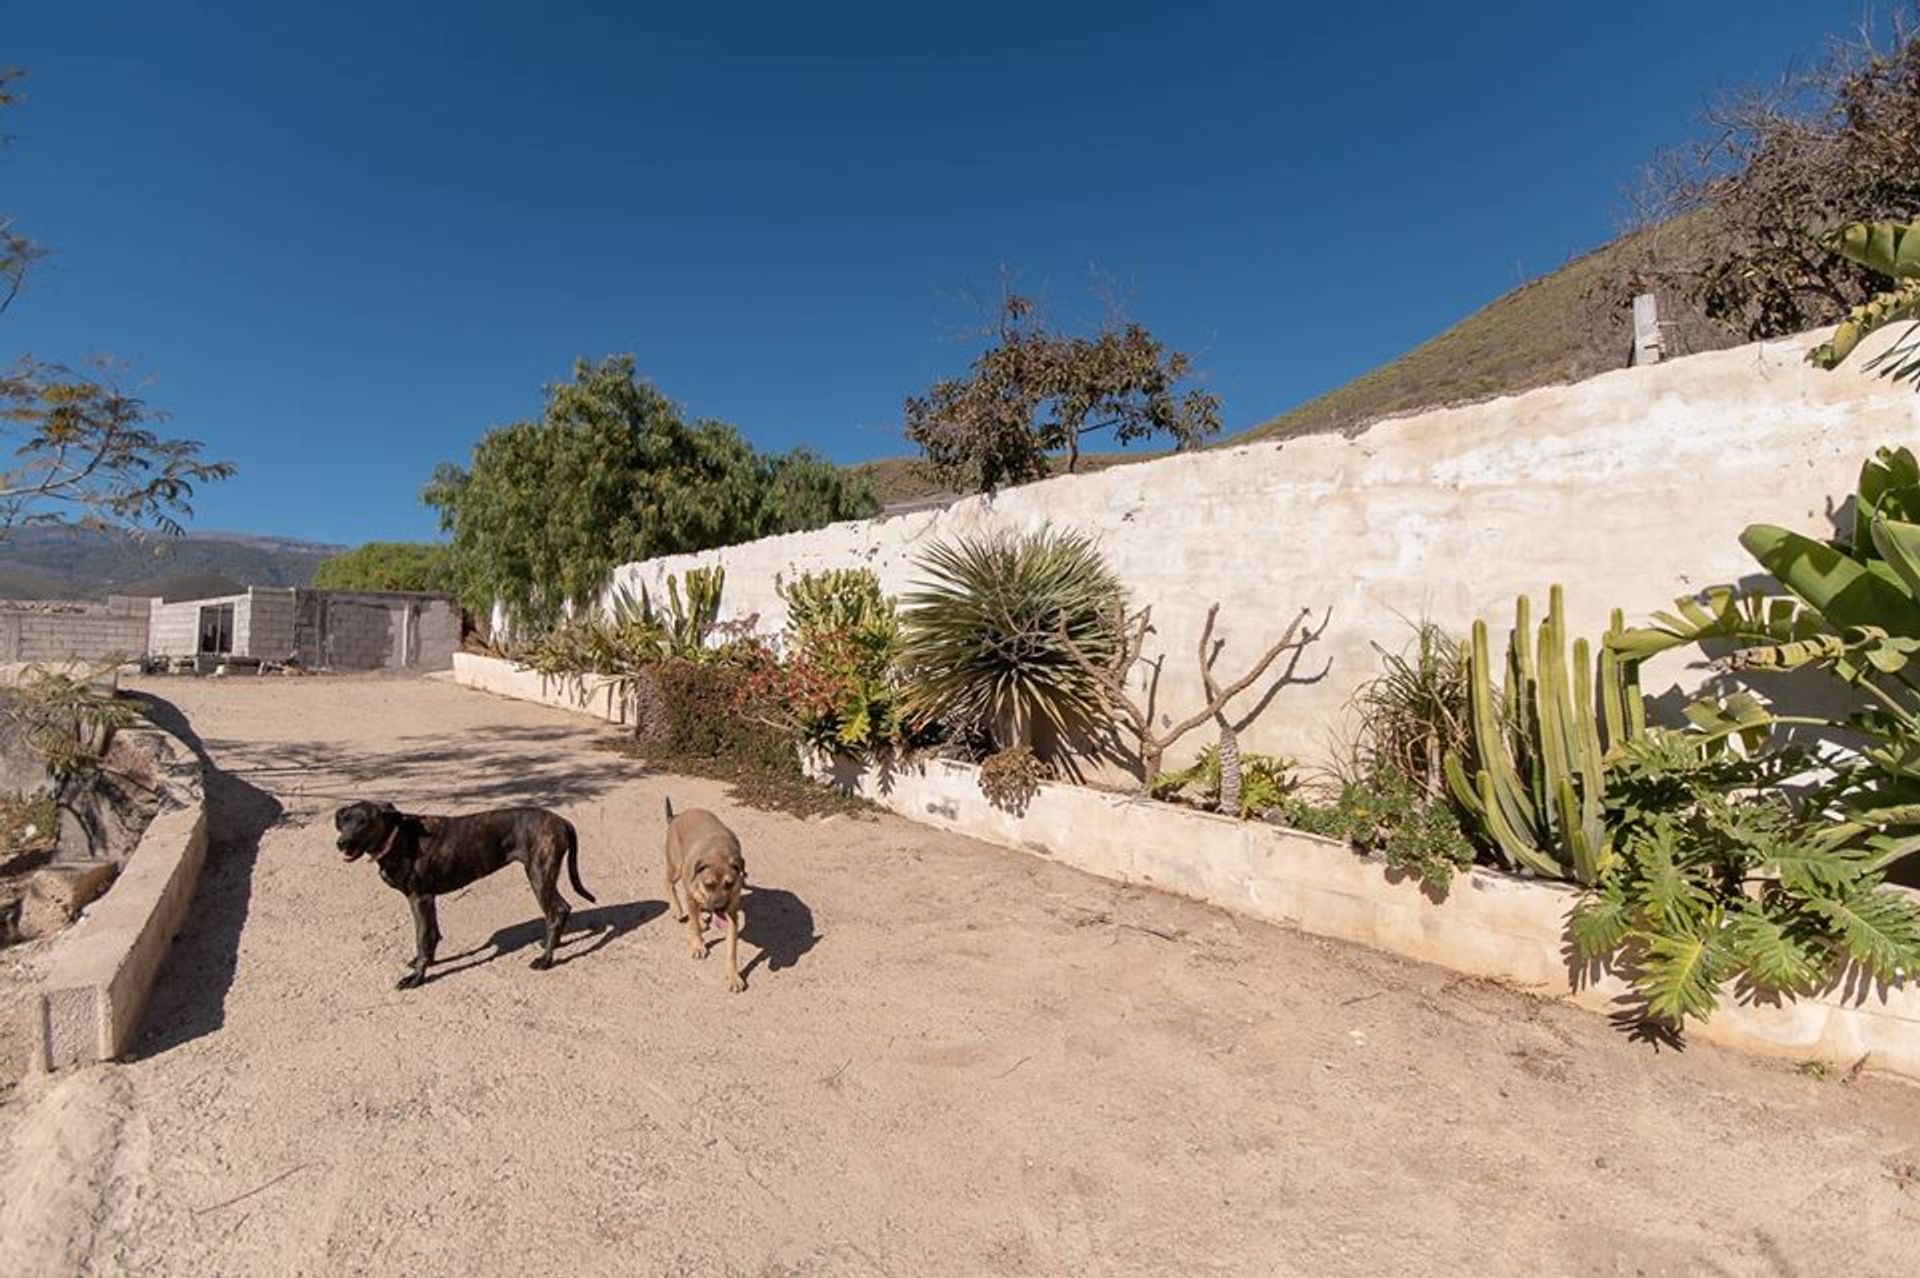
{"x":388,"y":565}
{"x":1719,"y":877}
{"x":1392,"y":814}
{"x":1850,"y":610}
{"x":840,"y":678}
{"x":1266,"y":782}
{"x":981,"y":638}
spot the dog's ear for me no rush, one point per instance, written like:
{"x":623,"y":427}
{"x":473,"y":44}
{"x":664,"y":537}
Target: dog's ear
{"x":387,"y":809}
{"x":340,"y":818}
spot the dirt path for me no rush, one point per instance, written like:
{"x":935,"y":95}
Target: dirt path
{"x":952,"y":1060}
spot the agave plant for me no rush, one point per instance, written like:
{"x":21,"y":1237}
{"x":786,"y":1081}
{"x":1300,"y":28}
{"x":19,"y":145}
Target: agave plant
{"x":989,"y":637}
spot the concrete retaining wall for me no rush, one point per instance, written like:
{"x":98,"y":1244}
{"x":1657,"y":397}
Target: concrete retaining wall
{"x":582,"y":695}
{"x":1489,"y":925}
{"x":1630,"y":488}
{"x":98,"y":974}
{"x":73,"y":631}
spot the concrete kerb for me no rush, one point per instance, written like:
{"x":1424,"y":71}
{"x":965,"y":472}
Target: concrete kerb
{"x":98,"y":974}
{"x":582,"y":694}
{"x":1489,"y":925}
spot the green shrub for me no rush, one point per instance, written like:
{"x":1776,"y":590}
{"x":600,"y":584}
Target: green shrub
{"x":982,"y":638}
{"x":1719,"y":876}
{"x":1392,"y":814}
{"x":840,"y":678}
{"x":388,"y":565}
{"x":1266,"y":782}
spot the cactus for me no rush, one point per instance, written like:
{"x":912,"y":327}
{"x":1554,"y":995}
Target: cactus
{"x":688,"y":619}
{"x":1534,"y":778}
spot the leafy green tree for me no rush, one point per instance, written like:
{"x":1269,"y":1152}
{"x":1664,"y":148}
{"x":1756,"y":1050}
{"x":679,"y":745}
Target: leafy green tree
{"x":804,"y":490}
{"x":83,"y":451}
{"x":388,"y":565}
{"x":1036,"y":393}
{"x":611,"y":473}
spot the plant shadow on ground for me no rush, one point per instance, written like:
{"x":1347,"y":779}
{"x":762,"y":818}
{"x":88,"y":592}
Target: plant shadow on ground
{"x":189,"y":998}
{"x":599,"y":927}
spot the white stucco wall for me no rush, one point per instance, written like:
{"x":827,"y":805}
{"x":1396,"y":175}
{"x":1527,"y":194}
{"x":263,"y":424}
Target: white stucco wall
{"x":1629,"y":489}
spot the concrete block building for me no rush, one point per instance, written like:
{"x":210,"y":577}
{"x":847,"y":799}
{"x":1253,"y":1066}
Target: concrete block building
{"x":320,"y":629}
{"x":32,"y":630}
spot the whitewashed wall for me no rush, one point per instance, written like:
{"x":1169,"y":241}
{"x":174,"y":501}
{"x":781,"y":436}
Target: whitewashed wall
{"x":1629,"y":489}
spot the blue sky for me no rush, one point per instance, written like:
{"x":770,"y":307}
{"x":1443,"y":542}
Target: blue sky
{"x":339,"y":241}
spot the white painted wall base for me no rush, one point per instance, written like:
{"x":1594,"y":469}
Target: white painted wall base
{"x":583,"y":694}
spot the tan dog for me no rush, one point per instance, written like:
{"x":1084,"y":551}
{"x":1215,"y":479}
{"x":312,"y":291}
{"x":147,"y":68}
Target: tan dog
{"x":703,"y":859}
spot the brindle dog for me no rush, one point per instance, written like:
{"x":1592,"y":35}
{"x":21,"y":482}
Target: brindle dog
{"x":423,"y":856}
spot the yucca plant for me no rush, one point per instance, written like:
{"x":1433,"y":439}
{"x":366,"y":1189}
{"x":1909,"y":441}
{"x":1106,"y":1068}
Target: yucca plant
{"x":65,"y":717}
{"x":988,"y":637}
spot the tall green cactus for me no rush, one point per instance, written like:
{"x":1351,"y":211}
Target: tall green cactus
{"x":1534,"y":776}
{"x":690,"y":619}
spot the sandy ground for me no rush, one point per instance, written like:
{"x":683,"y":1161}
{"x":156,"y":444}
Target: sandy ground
{"x":952,"y":1059}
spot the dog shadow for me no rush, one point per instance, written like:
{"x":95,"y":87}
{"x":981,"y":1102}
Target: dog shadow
{"x":604,"y":924}
{"x":779,"y":925}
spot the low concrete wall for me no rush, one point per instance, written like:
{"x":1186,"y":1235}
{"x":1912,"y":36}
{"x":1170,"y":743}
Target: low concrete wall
{"x":1489,"y":924}
{"x":581,"y":694}
{"x":98,"y":974}
{"x":77,"y":631}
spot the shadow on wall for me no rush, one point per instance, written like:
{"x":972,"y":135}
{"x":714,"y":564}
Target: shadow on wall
{"x":190,"y":996}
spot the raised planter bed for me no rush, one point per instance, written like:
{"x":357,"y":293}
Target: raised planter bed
{"x":1493,"y":925}
{"x":97,"y":974}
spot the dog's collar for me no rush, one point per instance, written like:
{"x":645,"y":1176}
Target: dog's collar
{"x":386,"y":848}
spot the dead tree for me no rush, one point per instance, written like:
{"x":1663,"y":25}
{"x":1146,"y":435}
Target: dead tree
{"x":1110,"y":679}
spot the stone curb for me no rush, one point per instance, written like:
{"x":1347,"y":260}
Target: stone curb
{"x":99,"y":972}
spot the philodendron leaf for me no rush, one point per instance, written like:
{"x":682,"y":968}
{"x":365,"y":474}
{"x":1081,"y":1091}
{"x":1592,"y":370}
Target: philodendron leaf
{"x":1899,"y":544}
{"x":1888,"y":248}
{"x":1839,"y":588}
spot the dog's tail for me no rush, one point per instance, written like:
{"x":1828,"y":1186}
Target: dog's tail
{"x":573,"y":863}
{"x":669,"y":803}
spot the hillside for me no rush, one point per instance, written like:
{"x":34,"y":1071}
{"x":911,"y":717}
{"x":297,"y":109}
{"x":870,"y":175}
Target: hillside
{"x":1556,"y":328}
{"x":64,"y":563}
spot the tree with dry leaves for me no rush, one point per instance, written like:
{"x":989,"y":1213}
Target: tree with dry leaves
{"x":1037,"y":393}
{"x":1735,"y":224}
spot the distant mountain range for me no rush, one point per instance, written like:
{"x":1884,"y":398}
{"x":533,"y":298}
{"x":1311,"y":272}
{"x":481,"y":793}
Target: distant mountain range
{"x":62,"y":563}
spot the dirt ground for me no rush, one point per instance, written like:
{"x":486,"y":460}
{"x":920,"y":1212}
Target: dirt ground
{"x":952,"y":1059}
